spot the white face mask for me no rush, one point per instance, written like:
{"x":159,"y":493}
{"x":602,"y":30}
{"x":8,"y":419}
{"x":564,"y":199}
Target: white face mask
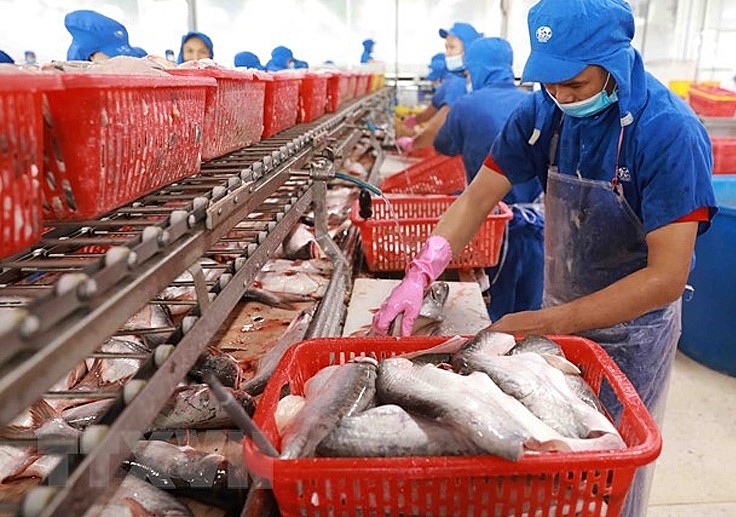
{"x":454,"y":63}
{"x":469,"y":87}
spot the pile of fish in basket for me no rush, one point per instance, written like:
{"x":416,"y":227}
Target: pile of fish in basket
{"x":431,"y":426}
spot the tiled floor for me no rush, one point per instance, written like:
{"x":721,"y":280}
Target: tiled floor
{"x":696,"y":473}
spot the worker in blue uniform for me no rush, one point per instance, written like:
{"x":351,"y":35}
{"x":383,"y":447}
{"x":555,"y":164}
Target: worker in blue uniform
{"x":96,"y":37}
{"x":626,"y":167}
{"x":457,"y":39}
{"x":282,"y":58}
{"x":470,"y":129}
{"x":437,"y":70}
{"x":195,"y":45}
{"x":248,"y":60}
{"x":367,"y":55}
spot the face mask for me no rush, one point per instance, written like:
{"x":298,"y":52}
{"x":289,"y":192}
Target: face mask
{"x":454,"y":63}
{"x":591,"y":106}
{"x":291,"y":66}
{"x":469,"y":87}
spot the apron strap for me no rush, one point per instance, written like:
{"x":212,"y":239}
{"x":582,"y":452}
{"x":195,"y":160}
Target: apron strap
{"x":615,"y":181}
{"x":555,"y":140}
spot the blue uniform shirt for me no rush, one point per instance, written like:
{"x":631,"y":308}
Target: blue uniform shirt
{"x":666,"y":158}
{"x":451,"y":89}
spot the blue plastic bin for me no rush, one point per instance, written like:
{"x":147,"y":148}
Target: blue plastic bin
{"x":709,"y":318}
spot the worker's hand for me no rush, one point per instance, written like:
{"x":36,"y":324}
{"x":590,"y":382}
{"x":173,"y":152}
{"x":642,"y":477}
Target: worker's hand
{"x":405,"y":144}
{"x":410,"y":122}
{"x":406,"y":298}
{"x":524,"y":323}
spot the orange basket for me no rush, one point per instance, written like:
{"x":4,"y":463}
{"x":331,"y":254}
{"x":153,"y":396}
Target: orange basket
{"x":724,"y":154}
{"x":396,"y":233}
{"x":233,"y":116}
{"x":436,"y":175}
{"x":581,"y":483}
{"x":21,"y":159}
{"x":110,"y":139}
{"x":712,"y":101}
{"x":281,"y":104}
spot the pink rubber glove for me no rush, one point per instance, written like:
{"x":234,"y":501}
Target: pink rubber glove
{"x":406,"y":298}
{"x":410,"y":122}
{"x":405,"y":143}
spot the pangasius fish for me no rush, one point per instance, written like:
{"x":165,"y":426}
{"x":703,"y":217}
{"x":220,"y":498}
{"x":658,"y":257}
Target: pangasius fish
{"x":136,"y":498}
{"x":196,"y":407}
{"x":349,"y":390}
{"x":387,"y":431}
{"x":543,"y":390}
{"x":267,"y":364}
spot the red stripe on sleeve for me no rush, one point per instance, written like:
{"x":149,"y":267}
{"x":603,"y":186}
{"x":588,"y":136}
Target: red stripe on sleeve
{"x":491,"y":164}
{"x":699,"y":215}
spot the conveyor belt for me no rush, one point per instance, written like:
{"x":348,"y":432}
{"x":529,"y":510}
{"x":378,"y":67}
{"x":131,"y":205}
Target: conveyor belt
{"x":85,"y":279}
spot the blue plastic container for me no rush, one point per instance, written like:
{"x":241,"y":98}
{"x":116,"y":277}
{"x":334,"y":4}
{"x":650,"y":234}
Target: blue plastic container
{"x":709,"y":318}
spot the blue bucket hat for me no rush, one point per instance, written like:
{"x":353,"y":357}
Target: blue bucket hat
{"x":280,"y":57}
{"x":568,"y":35}
{"x":490,"y":61}
{"x":93,"y":32}
{"x":437,"y":67}
{"x":464,"y":31}
{"x":249,"y":60}
{"x":194,"y":34}
{"x":5,"y":58}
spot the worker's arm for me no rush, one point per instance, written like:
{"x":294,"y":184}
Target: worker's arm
{"x":661,"y":282}
{"x":426,"y":115}
{"x":426,"y":137}
{"x":462,"y":219}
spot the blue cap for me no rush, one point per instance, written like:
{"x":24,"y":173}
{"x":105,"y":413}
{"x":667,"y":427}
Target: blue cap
{"x":280,"y":57}
{"x":5,"y":58}
{"x":464,"y":31}
{"x":489,"y":61}
{"x":437,"y":67}
{"x":194,"y":34}
{"x":92,"y":32}
{"x":248,"y":60}
{"x":568,"y":35}
{"x":368,"y":44}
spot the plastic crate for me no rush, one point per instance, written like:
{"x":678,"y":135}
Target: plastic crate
{"x":21,"y":159}
{"x":362,"y":84}
{"x":110,"y":139}
{"x":281,"y":104}
{"x":436,"y":175}
{"x":233,"y":116}
{"x":711,"y":101}
{"x":337,"y":91}
{"x":724,"y":155}
{"x":312,"y":97}
{"x":377,"y":81}
{"x":540,"y":484}
{"x":352,"y":87}
{"x":396,"y":233}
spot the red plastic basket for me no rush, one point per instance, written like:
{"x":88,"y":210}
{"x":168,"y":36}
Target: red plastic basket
{"x":395,"y":234}
{"x":21,"y":159}
{"x":362,"y":84}
{"x":437,"y":175}
{"x":281,"y":105}
{"x":337,"y":91}
{"x":543,"y":484}
{"x":724,"y":154}
{"x":352,"y":88}
{"x":313,"y":97}
{"x":110,"y":139}
{"x":233,"y":116}
{"x":711,"y":101}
